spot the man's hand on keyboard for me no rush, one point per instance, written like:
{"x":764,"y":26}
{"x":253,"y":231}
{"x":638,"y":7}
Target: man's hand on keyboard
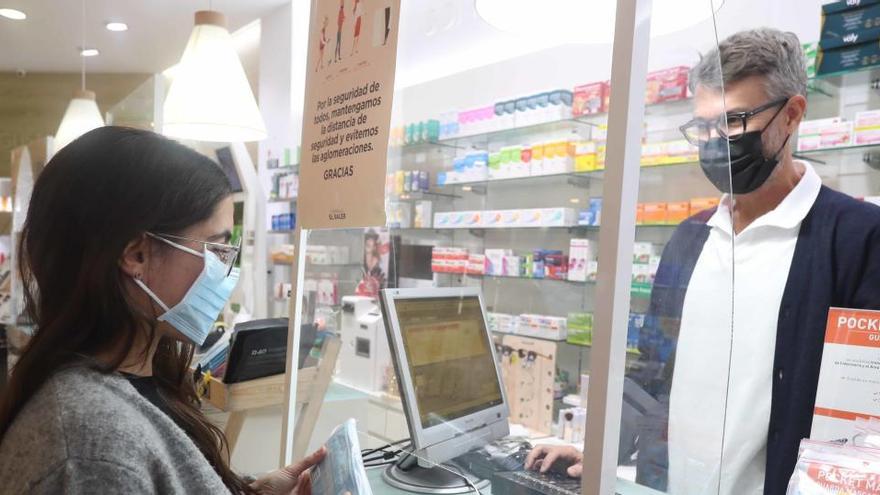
{"x":542,"y":458}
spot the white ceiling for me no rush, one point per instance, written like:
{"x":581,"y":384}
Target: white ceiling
{"x":157,"y":32}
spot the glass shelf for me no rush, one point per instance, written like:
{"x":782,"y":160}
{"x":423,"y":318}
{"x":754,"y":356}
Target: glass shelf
{"x":631,"y":352}
{"x":859,"y":148}
{"x":594,"y":174}
{"x":533,"y":229}
{"x":423,"y":195}
{"x":863,"y":75}
{"x":283,"y":200}
{"x":572,"y":125}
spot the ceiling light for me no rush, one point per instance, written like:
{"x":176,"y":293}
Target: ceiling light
{"x":15,"y":15}
{"x":82,"y":116}
{"x":116,"y":26}
{"x":210,"y":98}
{"x":564,"y":19}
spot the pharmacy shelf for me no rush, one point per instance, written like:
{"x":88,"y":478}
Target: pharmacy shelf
{"x":631,"y":352}
{"x":423,"y":195}
{"x":321,"y":266}
{"x":593,"y":174}
{"x":838,"y":150}
{"x":573,"y":124}
{"x":283,"y":200}
{"x":532,"y":229}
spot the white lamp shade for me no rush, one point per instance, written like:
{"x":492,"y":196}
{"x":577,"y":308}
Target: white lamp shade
{"x":210,"y":98}
{"x":82,"y":115}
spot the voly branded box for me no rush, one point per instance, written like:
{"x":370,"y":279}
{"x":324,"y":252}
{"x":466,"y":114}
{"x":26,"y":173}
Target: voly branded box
{"x":849,"y":23}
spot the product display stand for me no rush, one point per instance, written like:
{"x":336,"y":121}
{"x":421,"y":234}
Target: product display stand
{"x":238,"y":399}
{"x":528,"y":367}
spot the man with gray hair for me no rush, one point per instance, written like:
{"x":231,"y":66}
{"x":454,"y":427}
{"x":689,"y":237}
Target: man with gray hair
{"x":738,"y":395}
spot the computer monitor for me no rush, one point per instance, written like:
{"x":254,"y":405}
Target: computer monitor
{"x":444,"y":356}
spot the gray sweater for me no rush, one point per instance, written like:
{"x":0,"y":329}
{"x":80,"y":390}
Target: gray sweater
{"x":89,"y":432}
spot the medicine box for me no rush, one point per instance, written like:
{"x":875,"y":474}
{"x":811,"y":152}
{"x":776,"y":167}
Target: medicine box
{"x":849,"y":26}
{"x":667,"y":85}
{"x":590,"y":99}
{"x":677,"y":212}
{"x":701,"y":204}
{"x":511,"y":266}
{"x":530,"y":218}
{"x":422,"y":218}
{"x":501,"y":322}
{"x":476,"y":264}
{"x":642,"y":252}
{"x":495,"y":261}
{"x":580,"y":328}
{"x":654,"y":213}
{"x":558,"y":217}
{"x":848,"y":58}
{"x":580,"y":253}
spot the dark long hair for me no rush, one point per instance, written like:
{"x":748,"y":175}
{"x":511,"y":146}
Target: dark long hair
{"x":93,"y":198}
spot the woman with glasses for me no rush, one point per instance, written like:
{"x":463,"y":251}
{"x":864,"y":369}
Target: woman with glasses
{"x":128,"y":260}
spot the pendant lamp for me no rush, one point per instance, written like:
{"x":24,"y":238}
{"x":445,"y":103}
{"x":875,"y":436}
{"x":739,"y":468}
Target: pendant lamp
{"x":210,"y":98}
{"x":82,"y":114}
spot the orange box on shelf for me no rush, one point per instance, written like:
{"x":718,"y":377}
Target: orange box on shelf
{"x":654,"y":213}
{"x":640,"y":213}
{"x":677,"y":212}
{"x":700,"y":204}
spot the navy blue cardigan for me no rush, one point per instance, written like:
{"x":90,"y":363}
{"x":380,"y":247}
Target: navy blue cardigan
{"x":836,"y":263}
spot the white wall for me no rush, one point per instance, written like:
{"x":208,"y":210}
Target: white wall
{"x":570,"y":65}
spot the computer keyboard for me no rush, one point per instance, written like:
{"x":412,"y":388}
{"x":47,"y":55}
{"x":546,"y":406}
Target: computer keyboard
{"x":535,"y":483}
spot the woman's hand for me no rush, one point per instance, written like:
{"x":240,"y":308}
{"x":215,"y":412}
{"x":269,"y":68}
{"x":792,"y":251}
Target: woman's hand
{"x":542,"y":458}
{"x":291,"y":480}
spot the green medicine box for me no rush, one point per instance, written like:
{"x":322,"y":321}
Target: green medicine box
{"x":580,"y":328}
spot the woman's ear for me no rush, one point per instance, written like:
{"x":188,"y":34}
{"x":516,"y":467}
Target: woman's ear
{"x":134,"y":261}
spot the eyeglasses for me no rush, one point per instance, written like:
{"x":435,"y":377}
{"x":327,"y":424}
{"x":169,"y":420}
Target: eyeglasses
{"x":730,"y":126}
{"x":227,"y":253}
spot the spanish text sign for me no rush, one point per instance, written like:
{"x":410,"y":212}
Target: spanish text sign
{"x":849,"y":381}
{"x":347,"y":113}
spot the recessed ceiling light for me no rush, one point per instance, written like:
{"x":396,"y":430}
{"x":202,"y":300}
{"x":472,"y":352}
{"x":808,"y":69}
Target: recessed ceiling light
{"x":89,"y":52}
{"x":116,"y":26}
{"x":15,"y":15}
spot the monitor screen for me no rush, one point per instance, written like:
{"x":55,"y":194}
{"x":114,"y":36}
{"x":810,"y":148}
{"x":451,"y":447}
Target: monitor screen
{"x":227,"y":164}
{"x":450,"y":362}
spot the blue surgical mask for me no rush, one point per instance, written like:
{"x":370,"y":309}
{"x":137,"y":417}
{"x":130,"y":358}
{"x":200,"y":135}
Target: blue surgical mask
{"x":195,"y":314}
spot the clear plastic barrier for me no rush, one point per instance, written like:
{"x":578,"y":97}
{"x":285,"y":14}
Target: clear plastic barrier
{"x":479,"y":350}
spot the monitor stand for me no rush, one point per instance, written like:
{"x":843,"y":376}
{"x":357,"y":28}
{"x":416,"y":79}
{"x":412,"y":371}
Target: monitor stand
{"x":411,"y":477}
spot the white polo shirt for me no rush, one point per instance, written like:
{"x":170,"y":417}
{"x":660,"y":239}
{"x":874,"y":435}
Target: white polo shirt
{"x":719,"y":411}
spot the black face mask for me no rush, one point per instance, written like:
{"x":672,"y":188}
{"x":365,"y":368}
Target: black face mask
{"x":748,"y":166}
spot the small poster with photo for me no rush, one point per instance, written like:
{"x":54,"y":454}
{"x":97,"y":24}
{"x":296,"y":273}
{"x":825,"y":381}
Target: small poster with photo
{"x":377,"y":253}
